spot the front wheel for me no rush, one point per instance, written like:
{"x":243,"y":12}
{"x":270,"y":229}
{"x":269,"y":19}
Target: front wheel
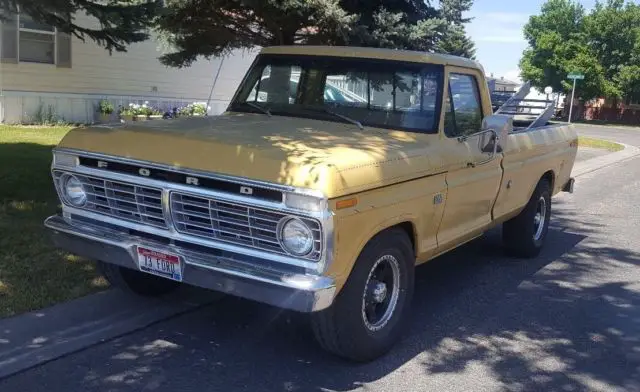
{"x":371,"y":311}
{"x":524,"y":235}
{"x":136,"y":282}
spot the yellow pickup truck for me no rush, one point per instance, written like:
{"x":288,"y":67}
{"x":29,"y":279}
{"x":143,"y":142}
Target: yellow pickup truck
{"x":331,"y":175}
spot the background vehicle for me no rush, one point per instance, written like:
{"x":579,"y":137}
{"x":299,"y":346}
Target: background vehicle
{"x":498,"y":98}
{"x":319,"y":190}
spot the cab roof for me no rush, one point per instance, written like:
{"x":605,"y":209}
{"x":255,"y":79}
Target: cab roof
{"x":374,"y":53}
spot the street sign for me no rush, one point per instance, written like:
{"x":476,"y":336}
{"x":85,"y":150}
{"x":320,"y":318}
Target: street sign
{"x":575,"y":77}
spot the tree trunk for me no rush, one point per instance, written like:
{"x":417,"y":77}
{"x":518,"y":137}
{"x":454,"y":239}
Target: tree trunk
{"x":287,"y":37}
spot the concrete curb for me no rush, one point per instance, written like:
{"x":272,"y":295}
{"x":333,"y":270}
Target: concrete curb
{"x":38,"y":337}
{"x":591,"y":165}
{"x":616,"y":127}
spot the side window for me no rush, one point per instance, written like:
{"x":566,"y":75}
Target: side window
{"x":463,"y":112}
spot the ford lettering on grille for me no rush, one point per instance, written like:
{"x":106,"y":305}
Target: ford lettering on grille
{"x":168,"y":175}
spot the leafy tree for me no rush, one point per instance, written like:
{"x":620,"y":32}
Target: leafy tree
{"x":556,"y":45}
{"x":613,"y":29}
{"x":629,"y":81}
{"x":120,"y":23}
{"x":604,"y":45}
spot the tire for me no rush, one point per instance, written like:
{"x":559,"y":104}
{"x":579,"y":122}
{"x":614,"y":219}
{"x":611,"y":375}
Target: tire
{"x":136,"y":282}
{"x":523,"y":236}
{"x":345,"y":328}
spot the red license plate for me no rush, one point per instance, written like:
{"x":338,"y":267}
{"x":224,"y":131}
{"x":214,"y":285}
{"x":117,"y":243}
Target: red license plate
{"x":159,"y":263}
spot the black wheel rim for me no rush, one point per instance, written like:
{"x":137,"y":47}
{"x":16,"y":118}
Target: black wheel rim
{"x":381,"y":293}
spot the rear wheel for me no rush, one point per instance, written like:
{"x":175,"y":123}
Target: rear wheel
{"x":136,"y":282}
{"x":372,"y":309}
{"x":525,"y":234}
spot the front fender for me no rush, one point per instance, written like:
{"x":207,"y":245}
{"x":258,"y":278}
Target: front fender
{"x":410,"y":203}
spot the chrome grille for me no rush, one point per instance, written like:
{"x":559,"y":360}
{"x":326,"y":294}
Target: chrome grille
{"x":122,"y":200}
{"x":234,"y":223}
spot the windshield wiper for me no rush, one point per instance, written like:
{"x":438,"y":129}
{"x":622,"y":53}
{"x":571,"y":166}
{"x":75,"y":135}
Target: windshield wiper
{"x":349,"y":119}
{"x":259,"y":107}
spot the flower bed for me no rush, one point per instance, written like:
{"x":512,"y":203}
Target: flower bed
{"x":137,"y":112}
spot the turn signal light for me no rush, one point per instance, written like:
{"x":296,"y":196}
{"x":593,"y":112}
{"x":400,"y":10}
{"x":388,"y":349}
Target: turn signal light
{"x":346,"y":203}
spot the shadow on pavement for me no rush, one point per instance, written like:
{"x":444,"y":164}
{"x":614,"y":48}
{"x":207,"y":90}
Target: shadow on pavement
{"x":542,"y":324}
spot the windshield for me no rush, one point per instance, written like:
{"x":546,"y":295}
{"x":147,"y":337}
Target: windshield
{"x":385,"y":94}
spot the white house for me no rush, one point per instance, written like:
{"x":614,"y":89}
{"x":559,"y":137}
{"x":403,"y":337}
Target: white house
{"x":45,"y":71}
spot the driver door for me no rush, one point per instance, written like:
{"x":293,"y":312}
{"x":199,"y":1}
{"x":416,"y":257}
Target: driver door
{"x":474,"y":171}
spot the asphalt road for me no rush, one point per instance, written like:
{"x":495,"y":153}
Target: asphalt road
{"x":566,"y":321}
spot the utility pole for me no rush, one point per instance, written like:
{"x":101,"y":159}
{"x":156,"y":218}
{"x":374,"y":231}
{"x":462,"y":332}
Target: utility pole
{"x":215,"y":81}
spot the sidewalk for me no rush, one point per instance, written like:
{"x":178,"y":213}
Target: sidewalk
{"x":34,"y":338}
{"x":586,"y":153}
{"x":582,"y":167}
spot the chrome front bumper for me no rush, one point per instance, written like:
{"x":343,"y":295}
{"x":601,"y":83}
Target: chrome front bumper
{"x":232,"y":275}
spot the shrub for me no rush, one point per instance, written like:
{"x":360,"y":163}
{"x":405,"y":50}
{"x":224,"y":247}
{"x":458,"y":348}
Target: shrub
{"x":47,"y":116}
{"x":194,"y":109}
{"x":105,"y":107}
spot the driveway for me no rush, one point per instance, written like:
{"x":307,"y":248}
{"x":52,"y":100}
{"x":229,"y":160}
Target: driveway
{"x":566,"y":321}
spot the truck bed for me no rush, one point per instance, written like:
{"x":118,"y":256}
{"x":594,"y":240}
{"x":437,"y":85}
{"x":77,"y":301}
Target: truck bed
{"x":527,"y":114}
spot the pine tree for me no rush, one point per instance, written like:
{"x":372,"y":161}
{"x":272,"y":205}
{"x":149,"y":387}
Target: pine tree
{"x":455,"y":40}
{"x":119,"y":23}
{"x":206,"y":28}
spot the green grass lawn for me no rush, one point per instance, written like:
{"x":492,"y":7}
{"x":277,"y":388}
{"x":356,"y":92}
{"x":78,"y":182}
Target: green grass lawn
{"x":599,"y":143}
{"x":33,"y":274}
{"x":602,"y":123}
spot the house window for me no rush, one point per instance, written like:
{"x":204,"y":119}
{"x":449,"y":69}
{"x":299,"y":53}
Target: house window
{"x":36,"y":41}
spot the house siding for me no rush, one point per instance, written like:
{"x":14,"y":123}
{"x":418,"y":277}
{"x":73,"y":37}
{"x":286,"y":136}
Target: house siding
{"x":134,"y":76}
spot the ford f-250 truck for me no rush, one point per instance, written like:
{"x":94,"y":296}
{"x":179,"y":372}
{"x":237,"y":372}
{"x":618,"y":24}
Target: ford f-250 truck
{"x":331,"y":175}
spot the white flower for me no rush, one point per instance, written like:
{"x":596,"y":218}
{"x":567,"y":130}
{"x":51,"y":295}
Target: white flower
{"x":144,"y":105}
{"x":131,"y":105}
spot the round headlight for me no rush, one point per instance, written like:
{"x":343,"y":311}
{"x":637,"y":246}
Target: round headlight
{"x":295,"y":236}
{"x":73,"y":190}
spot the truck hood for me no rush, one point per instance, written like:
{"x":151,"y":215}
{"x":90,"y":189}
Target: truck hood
{"x":334,"y":158}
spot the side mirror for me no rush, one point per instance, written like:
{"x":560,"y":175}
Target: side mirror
{"x":502,"y":125}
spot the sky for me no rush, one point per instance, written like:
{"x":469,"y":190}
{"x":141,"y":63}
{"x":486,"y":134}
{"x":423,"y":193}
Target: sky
{"x":497,"y":32}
